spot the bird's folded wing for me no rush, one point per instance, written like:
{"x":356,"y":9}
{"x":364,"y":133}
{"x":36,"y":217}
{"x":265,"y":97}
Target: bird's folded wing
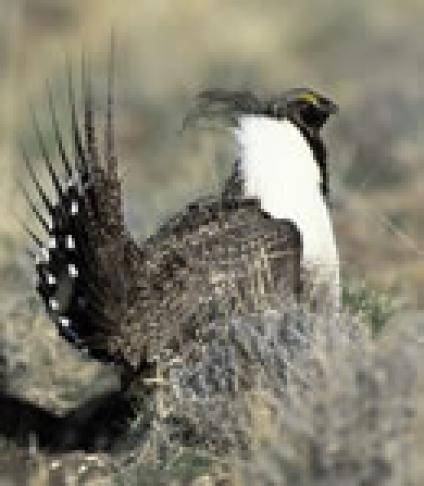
{"x":214,"y":259}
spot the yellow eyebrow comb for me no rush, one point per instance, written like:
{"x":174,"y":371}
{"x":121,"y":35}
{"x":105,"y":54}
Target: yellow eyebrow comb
{"x":308,"y":97}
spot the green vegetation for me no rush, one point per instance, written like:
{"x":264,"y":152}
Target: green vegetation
{"x":373,"y":306}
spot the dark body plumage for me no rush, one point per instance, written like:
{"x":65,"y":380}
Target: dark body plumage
{"x":127,"y":302}
{"x":216,"y":257}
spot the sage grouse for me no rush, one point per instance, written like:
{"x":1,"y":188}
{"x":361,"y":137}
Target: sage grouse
{"x":267,"y":234}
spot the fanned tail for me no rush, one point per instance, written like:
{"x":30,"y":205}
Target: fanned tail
{"x":81,"y":260}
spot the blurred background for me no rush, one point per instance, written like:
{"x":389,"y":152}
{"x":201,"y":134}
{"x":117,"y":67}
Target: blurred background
{"x":368,"y":56}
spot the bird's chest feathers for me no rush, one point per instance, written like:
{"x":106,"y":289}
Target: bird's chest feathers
{"x":278,"y":167}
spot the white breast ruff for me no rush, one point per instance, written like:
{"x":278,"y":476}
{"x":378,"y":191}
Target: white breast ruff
{"x":279,"y":169}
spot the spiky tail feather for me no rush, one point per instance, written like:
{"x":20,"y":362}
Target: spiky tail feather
{"x":84,"y":268}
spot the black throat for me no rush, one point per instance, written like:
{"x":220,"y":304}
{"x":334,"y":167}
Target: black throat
{"x":320,"y":155}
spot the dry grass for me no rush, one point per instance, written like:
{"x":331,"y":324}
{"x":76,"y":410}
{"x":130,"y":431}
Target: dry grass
{"x":320,"y":403}
{"x":365,"y":56}
{"x":346,"y":415}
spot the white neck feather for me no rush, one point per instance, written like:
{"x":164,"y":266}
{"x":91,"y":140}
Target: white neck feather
{"x":278,"y":167}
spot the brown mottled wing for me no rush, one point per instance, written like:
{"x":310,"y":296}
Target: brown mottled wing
{"x":214,"y":259}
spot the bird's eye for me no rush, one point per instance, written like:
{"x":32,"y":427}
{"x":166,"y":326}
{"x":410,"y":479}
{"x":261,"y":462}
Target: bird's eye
{"x":309,"y":113}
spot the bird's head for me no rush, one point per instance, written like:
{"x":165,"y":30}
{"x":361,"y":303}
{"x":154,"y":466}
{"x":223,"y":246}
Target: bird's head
{"x":304,"y":107}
